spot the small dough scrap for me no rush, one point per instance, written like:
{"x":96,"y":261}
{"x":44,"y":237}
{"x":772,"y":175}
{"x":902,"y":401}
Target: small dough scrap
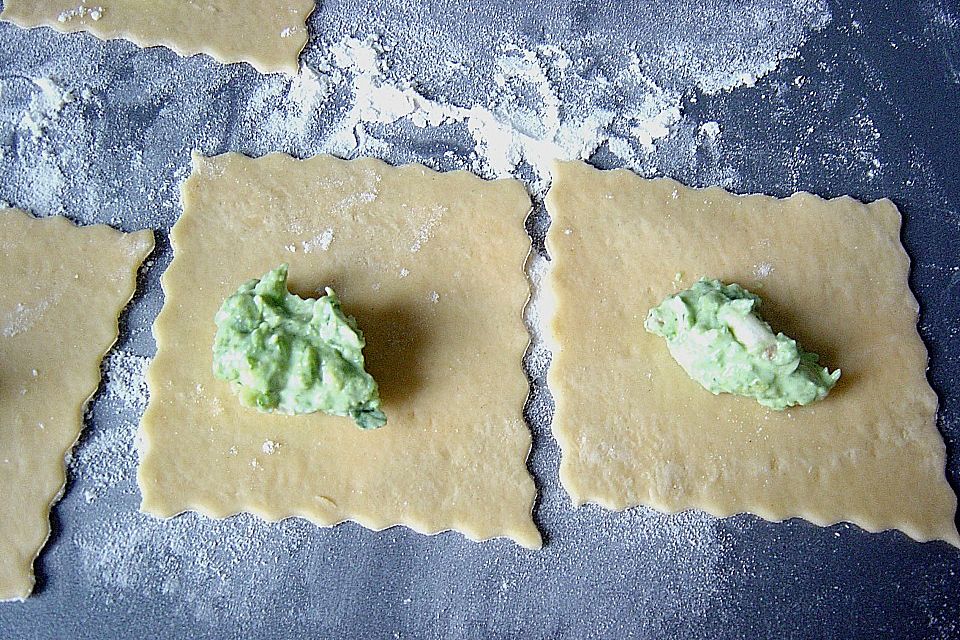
{"x":431,"y":267}
{"x":269,"y":34}
{"x":62,"y":288}
{"x":635,"y":429}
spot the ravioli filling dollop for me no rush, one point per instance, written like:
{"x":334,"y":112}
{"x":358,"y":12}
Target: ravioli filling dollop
{"x":285,"y":354}
{"x":714,"y":331}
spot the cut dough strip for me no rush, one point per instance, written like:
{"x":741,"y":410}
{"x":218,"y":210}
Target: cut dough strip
{"x":431,"y":266}
{"x":269,"y":34}
{"x":62,"y":288}
{"x":635,"y":429}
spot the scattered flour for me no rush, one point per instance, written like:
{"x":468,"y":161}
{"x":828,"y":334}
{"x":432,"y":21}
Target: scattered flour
{"x":354,"y":95}
{"x":762,"y":270}
{"x":22,"y":317}
{"x":106,"y":458}
{"x":321,"y":242}
{"x":45,"y":106}
{"x":125,"y":380}
{"x":541,"y":107}
{"x":539,"y":307}
{"x":550,"y":100}
{"x":206,"y":564}
{"x":506,"y":134}
{"x":82,"y":11}
{"x":426,"y":230}
{"x":710,"y":129}
{"x":531,"y":103}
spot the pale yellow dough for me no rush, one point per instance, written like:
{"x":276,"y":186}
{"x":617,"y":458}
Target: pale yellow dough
{"x":269,"y":34}
{"x":431,"y":266}
{"x":634,"y":429}
{"x":61,"y":290}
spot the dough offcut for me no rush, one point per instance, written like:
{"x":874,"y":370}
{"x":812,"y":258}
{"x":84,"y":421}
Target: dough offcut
{"x":61,"y":290}
{"x":431,"y":266}
{"x":634,"y":429}
{"x":269,"y":34}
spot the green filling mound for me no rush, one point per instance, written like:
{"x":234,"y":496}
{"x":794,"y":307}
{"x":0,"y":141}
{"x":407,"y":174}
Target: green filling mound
{"x":714,"y":331}
{"x":283,"y":354}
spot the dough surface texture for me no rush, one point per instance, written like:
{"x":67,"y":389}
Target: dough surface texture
{"x":62,"y":289}
{"x":635,"y":429}
{"x":269,"y":34}
{"x":431,"y":266}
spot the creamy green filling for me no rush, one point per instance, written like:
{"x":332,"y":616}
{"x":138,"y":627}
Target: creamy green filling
{"x":714,"y":331}
{"x":285,"y":354}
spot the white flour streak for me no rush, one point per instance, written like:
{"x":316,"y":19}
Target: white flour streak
{"x":426,"y":231}
{"x":125,"y":379}
{"x":537,"y":312}
{"x":45,"y":106}
{"x":207,"y":564}
{"x":762,"y":270}
{"x":710,"y":129}
{"x":538,"y":307}
{"x":23,"y":316}
{"x":321,"y":242}
{"x":541,"y":109}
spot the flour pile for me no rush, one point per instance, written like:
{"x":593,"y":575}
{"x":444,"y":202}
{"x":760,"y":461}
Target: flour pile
{"x":531,"y":103}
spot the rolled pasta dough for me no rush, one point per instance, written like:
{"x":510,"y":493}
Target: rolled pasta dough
{"x":635,"y":429}
{"x":431,"y":266}
{"x":269,"y":34}
{"x":61,"y":290}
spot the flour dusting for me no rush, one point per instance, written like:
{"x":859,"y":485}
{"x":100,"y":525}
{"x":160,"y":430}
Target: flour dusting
{"x":24,"y":316}
{"x":125,"y":379}
{"x":762,"y":270}
{"x":102,"y":132}
{"x":46,"y":104}
{"x":539,"y":106}
{"x":82,"y":11}
{"x":425,"y":232}
{"x":321,"y":242}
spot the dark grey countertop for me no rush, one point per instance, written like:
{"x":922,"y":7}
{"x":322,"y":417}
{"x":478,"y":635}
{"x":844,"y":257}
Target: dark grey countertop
{"x":830,"y":97}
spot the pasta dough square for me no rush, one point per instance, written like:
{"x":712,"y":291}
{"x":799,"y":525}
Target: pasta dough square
{"x":431,"y":265}
{"x":269,"y":34}
{"x":634,"y":429}
{"x":62,"y":288}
